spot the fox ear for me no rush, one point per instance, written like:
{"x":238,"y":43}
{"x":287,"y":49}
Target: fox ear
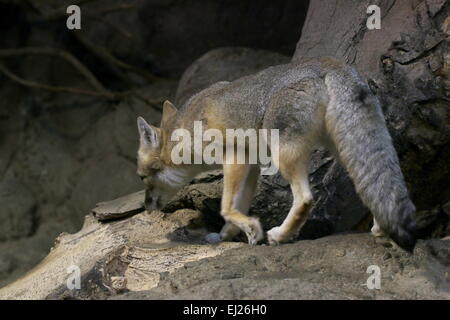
{"x":149,"y":135}
{"x":169,"y":111}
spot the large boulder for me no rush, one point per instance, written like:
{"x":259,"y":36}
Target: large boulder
{"x":174,"y":33}
{"x":407,"y":64}
{"x":223,"y":64}
{"x":17,"y":210}
{"x":333,"y":267}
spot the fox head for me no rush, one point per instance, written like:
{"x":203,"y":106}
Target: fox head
{"x":154,"y":166}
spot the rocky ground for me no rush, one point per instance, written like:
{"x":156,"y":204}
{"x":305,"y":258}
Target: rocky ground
{"x":333,"y":267}
{"x":165,"y":256}
{"x":125,"y":252}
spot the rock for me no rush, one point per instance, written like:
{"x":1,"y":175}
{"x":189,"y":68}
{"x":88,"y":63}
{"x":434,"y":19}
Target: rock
{"x":166,"y":36}
{"x":120,"y":208}
{"x":213,"y":238}
{"x":310,"y":269}
{"x":132,"y":254}
{"x":337,"y":207}
{"x":159,"y":256}
{"x":76,"y":120}
{"x":446,"y":208}
{"x":59,"y":176}
{"x":406,"y":65}
{"x":223,"y":64}
{"x":115,"y":176}
{"x":432,"y":223}
{"x":272,"y":26}
{"x":119,"y":284}
{"x":46,"y":164}
{"x":18,"y":208}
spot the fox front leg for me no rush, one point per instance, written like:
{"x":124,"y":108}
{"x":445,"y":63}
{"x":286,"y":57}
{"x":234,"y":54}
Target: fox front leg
{"x":239,"y":185}
{"x":242,"y":202}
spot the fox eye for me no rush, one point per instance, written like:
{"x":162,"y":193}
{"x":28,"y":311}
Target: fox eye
{"x":155,"y":170}
{"x":142,"y":177}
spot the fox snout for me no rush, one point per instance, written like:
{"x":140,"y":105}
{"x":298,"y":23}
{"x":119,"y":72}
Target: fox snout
{"x":151,"y":202}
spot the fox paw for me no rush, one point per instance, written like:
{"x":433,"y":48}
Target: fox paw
{"x":377,"y":232}
{"x":275,"y":236}
{"x":254,"y":232}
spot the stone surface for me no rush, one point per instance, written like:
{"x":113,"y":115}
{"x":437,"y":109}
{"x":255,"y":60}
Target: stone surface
{"x":333,"y":267}
{"x":165,"y":256}
{"x":120,"y":208}
{"x":223,"y":64}
{"x":18,"y":208}
{"x":51,"y":178}
{"x":166,"y":36}
{"x":181,"y":31}
{"x":406,"y":63}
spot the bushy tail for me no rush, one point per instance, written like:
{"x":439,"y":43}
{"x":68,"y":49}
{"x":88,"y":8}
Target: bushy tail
{"x":356,"y":126}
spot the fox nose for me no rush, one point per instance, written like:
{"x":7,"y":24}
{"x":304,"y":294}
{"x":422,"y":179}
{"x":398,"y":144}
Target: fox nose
{"x":151,"y":202}
{"x":151,"y":205}
{"x":148,"y":201}
{"x":148,"y":204}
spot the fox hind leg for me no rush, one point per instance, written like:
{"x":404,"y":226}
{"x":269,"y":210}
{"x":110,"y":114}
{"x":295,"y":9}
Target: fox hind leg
{"x":376,"y":230}
{"x":236,"y":201}
{"x":293,"y":165}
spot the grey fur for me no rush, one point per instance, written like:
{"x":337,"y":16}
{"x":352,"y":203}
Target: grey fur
{"x":357,"y":128}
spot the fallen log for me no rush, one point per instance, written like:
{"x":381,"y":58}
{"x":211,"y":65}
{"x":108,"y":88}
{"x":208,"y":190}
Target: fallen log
{"x":165,"y":256}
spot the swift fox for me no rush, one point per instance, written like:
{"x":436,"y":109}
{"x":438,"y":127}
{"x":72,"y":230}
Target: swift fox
{"x":320,"y":102}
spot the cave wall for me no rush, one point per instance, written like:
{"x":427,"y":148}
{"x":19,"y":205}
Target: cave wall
{"x":60,"y":153}
{"x":407,"y":65}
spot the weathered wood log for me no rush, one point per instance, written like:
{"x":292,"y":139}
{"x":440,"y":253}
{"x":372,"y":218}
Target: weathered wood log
{"x":115,"y":257}
{"x":160,"y":256}
{"x":120,"y":208}
{"x":164,"y":255}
